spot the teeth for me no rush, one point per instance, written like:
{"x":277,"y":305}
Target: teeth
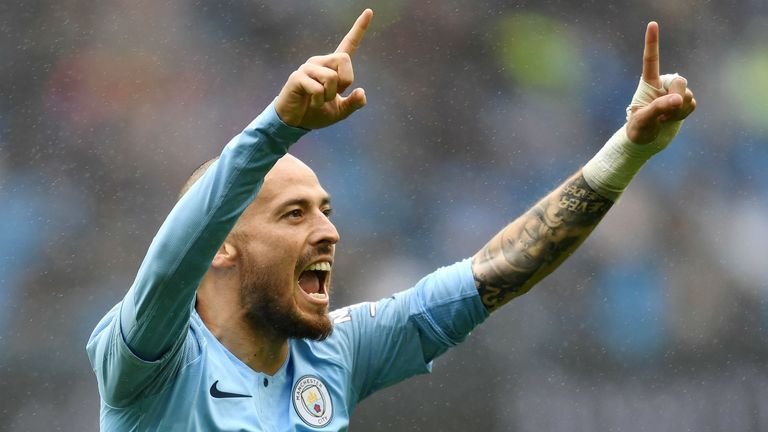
{"x":319,"y":296}
{"x":322,"y":266}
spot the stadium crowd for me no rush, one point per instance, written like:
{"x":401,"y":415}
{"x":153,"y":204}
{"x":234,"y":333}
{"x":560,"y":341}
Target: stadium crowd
{"x":475,"y":110}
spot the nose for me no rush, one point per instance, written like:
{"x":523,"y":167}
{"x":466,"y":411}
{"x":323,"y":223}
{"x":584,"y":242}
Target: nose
{"x":325,"y":232}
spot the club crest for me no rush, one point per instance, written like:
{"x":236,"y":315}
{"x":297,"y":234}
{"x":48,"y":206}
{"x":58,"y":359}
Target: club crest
{"x":312,"y":401}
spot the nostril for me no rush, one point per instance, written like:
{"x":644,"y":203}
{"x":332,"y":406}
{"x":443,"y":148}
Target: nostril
{"x":325,"y":248}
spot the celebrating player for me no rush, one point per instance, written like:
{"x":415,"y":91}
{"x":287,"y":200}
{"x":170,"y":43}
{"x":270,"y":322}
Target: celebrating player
{"x":227,"y":325}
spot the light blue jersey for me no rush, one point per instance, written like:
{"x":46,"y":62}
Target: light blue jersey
{"x":159,"y":368}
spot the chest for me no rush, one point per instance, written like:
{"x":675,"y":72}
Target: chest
{"x":218,"y":393}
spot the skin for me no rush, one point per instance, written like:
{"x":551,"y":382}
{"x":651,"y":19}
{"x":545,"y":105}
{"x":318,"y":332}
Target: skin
{"x":311,"y":98}
{"x":537,"y":242}
{"x":679,"y":103}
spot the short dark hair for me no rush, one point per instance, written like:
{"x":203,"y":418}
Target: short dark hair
{"x":195,"y":176}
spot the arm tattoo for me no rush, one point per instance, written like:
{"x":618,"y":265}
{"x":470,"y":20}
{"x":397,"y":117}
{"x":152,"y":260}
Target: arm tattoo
{"x":537,"y":242}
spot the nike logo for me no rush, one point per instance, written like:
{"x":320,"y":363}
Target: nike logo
{"x":215,"y":392}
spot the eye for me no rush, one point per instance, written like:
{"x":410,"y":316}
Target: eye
{"x":328,"y":212}
{"x":294,"y":214}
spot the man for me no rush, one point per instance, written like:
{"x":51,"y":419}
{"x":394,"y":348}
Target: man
{"x":226,"y":326}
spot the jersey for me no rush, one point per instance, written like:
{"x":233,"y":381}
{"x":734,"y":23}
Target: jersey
{"x":158,"y":366}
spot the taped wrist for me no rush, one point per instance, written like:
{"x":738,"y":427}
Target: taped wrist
{"x":613,"y":167}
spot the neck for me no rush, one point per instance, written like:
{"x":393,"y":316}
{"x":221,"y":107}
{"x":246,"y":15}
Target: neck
{"x":261,"y":349}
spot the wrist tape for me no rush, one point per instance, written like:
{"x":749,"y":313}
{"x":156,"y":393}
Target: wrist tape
{"x":613,"y":167}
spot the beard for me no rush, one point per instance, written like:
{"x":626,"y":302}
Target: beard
{"x":266,"y":307}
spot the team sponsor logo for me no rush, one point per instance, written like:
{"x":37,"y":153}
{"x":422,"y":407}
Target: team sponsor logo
{"x":215,"y":392}
{"x":312,"y":401}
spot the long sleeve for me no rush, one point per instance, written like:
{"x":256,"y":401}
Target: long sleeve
{"x":395,"y":338}
{"x":152,"y":320}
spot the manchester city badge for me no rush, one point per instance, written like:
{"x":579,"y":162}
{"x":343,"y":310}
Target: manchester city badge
{"x":312,"y":401}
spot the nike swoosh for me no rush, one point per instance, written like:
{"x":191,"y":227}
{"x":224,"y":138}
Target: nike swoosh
{"x":215,"y":392}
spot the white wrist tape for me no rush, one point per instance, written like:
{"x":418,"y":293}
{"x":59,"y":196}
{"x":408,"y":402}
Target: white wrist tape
{"x":614,"y":166}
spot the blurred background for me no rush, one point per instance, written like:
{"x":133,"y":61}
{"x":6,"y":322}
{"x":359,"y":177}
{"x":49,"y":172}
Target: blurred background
{"x":476,"y":109}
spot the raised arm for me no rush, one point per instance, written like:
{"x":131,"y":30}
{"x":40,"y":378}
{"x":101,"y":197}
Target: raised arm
{"x":537,"y":242}
{"x":151,"y":321}
{"x":158,"y":306}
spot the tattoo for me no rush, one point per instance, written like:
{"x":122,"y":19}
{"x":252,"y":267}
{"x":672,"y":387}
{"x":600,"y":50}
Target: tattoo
{"x":537,"y":242}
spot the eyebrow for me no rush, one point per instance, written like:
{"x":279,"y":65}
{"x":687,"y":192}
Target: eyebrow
{"x":303,"y":202}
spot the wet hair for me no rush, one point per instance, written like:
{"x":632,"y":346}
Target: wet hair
{"x":195,"y":176}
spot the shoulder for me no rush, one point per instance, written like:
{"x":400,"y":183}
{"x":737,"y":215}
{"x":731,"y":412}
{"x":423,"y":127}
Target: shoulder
{"x":349,"y":322}
{"x":353,"y":313}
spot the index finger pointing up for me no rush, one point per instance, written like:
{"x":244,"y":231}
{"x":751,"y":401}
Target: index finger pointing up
{"x":651,"y":55}
{"x":352,"y":40}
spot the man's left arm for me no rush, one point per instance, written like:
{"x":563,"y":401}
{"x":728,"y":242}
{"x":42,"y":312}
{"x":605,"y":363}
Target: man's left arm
{"x":537,"y":242}
{"x":532,"y":246}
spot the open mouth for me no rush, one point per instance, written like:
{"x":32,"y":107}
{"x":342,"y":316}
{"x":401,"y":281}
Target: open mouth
{"x":313,"y":281}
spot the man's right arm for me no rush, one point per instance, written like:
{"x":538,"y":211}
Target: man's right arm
{"x":126,"y":352}
{"x":157,"y":307}
{"x":153,"y":316}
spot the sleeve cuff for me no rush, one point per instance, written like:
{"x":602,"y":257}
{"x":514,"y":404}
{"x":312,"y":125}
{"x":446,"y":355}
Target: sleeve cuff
{"x":270,"y":122}
{"x":448,"y":300}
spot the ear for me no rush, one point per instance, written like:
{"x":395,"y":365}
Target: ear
{"x":226,"y":257}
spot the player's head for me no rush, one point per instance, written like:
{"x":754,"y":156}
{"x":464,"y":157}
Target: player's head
{"x":282,"y":250}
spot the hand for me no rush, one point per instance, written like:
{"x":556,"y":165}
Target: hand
{"x":646,"y":122}
{"x":311,"y":98}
